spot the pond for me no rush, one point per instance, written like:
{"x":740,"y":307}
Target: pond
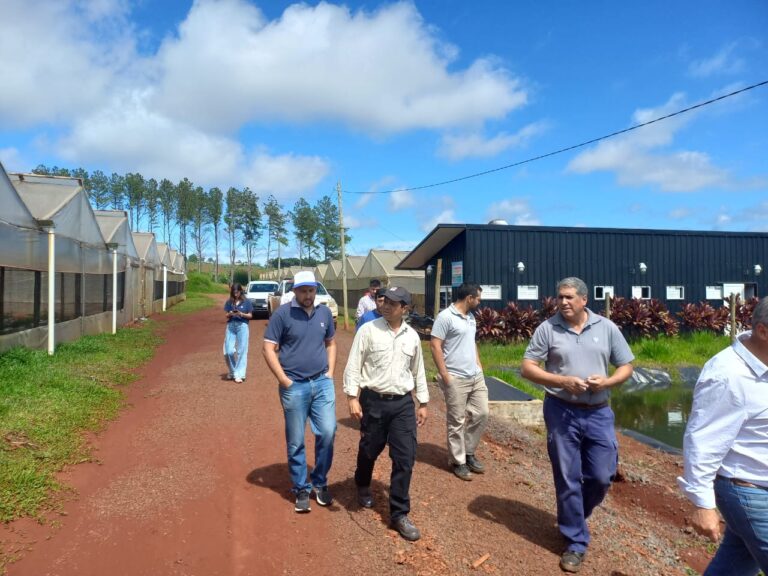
{"x":658,"y":414}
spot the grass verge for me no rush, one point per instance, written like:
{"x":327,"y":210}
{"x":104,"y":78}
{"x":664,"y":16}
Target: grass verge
{"x":199,"y":286}
{"x":47,"y":402}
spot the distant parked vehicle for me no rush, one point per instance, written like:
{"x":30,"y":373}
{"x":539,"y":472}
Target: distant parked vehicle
{"x":259,"y":293}
{"x":323,"y":297}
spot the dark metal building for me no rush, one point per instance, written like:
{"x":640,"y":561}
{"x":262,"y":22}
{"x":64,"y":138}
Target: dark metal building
{"x":524,"y":263}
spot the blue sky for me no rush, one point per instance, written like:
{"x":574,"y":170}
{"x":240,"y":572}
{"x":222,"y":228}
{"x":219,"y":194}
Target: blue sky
{"x":289,"y":98}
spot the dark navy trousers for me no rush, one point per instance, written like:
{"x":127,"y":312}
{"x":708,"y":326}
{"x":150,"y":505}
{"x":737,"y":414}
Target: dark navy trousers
{"x":583,"y":451}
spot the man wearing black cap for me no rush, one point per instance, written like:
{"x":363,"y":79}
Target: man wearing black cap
{"x":385,"y":365}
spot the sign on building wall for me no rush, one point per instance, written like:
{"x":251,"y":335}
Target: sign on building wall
{"x":733,"y":288}
{"x":491,"y":291}
{"x":527,"y":292}
{"x":714,"y":292}
{"x":457,"y":273}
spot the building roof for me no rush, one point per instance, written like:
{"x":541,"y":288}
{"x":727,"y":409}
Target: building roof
{"x":442,"y":234}
{"x":435,"y":241}
{"x":63,"y":201}
{"x":115,"y":229}
{"x":15,"y":211}
{"x":146,"y":246}
{"x":384,"y":263}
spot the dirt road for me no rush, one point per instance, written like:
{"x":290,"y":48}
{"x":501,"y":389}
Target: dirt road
{"x":192,"y":480}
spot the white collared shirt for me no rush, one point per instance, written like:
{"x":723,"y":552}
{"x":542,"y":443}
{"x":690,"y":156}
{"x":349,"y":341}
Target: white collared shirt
{"x":727,"y":432}
{"x":386,"y":361}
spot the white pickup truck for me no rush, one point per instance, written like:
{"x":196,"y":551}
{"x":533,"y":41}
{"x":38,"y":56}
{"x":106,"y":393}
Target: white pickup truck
{"x":258,"y":293}
{"x":323,"y":297}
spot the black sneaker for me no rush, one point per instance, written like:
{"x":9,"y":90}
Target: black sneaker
{"x":571,"y":561}
{"x":364,"y":496}
{"x":302,"y":502}
{"x":462,"y":471}
{"x":323,"y":496}
{"x":406,"y":528}
{"x":475,"y":465}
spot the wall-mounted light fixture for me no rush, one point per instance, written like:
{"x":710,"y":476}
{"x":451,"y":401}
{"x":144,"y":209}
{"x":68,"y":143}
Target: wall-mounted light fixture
{"x":643,"y":267}
{"x":520,"y":267}
{"x":758,"y":269}
{"x":429,"y":269}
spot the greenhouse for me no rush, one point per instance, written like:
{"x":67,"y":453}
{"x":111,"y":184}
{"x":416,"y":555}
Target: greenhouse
{"x":65,"y":270}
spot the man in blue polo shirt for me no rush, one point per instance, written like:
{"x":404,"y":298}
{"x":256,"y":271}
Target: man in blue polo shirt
{"x":576,"y":347}
{"x":300,"y":350}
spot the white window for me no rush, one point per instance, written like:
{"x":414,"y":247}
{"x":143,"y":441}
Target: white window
{"x":713,"y":292}
{"x":641,"y":292}
{"x":601,"y":292}
{"x":527,"y":292}
{"x":675,"y":292}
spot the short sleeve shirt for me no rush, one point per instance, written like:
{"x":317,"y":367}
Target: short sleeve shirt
{"x":301,"y":339}
{"x":563,"y":351}
{"x":458,"y":335}
{"x":245,"y":307}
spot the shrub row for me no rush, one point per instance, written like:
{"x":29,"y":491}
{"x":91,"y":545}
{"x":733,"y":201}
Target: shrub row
{"x":636,"y":319}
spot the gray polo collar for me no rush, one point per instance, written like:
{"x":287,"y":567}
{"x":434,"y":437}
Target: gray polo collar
{"x":455,"y":311}
{"x":592,"y":318}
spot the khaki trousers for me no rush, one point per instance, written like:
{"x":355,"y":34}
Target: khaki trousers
{"x":466,"y":406}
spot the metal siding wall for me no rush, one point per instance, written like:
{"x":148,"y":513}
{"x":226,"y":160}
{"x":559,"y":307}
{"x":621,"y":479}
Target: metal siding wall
{"x":605,"y":257}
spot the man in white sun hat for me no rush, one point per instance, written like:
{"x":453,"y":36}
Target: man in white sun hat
{"x":300,"y":349}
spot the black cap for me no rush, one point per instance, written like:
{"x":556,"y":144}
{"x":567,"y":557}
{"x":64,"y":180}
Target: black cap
{"x":381,"y":292}
{"x":397,"y":294}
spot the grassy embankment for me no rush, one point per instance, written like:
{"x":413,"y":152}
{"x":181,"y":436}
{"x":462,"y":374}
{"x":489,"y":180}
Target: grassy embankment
{"x":48,"y":402}
{"x":668,"y":354}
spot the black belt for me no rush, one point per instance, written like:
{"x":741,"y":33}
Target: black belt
{"x":381,"y":396}
{"x":315,"y":377}
{"x":742,"y":483}
{"x":580,"y":405}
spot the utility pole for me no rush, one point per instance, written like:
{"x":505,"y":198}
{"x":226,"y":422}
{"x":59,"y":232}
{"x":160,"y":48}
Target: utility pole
{"x":343,"y":256}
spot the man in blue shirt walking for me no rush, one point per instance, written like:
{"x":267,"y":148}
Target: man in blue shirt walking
{"x":300,"y":350}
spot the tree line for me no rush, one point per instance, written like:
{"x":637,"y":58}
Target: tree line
{"x":185,"y":212}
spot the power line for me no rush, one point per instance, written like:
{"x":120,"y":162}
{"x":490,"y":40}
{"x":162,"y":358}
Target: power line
{"x":561,"y":150}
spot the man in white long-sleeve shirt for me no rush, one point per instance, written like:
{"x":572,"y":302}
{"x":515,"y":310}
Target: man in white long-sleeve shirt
{"x":385,"y":365}
{"x":726,"y":452}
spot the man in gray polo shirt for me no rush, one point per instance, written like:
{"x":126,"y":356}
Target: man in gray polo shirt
{"x":461,"y":378}
{"x":576,"y":347}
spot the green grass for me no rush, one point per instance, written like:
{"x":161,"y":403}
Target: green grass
{"x":690,"y":349}
{"x":47,"y":402}
{"x":199,"y":285}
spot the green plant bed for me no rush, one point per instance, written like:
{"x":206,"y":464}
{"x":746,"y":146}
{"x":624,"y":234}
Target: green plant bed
{"x":47,"y":402}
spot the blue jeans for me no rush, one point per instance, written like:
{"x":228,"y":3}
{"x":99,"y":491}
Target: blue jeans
{"x":744,"y":549}
{"x":236,"y":348}
{"x":316,"y":400}
{"x":583,"y":451}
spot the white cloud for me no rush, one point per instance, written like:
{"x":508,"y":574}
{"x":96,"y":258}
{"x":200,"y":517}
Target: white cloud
{"x":631,"y":156}
{"x":54,"y":64}
{"x":475,"y":145}
{"x":445,"y":217}
{"x":756,"y":217}
{"x":12,"y":161}
{"x":679,"y":213}
{"x":400,"y":199}
{"x":130,"y":138}
{"x":514,"y":211}
{"x":383,"y":71}
{"x":723,"y":62}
